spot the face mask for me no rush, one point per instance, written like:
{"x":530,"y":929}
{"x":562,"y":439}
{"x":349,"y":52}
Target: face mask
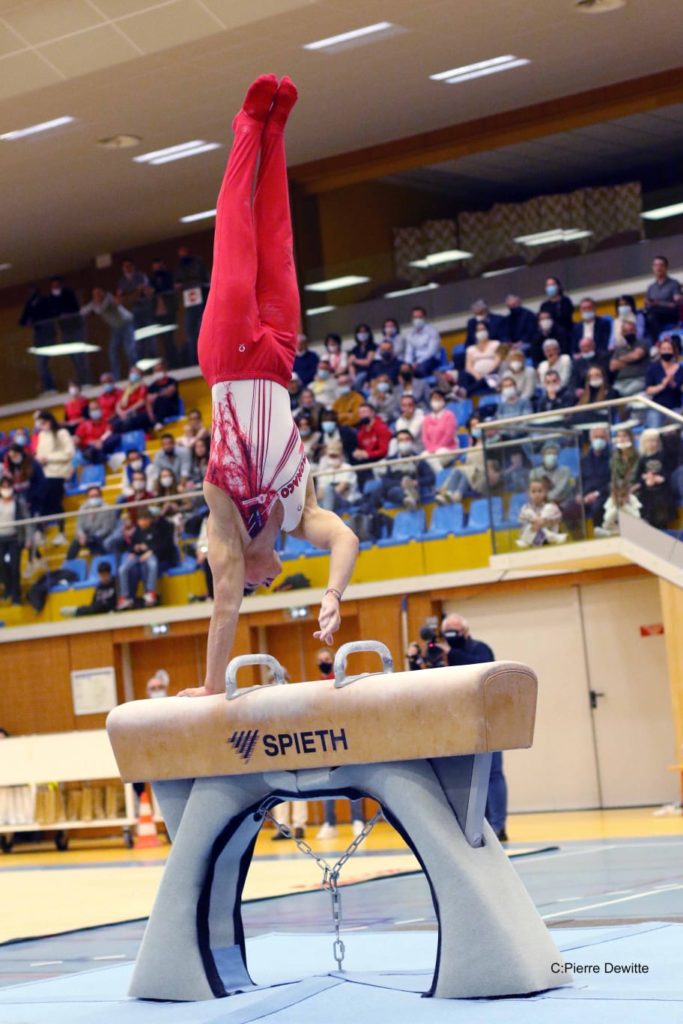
{"x":21,"y":439}
{"x":6,"y":492}
{"x":305,"y":431}
{"x":344,"y":389}
{"x":629,"y":335}
{"x":588,"y":355}
{"x":587,"y":315}
{"x":108,"y":388}
{"x":418,"y":322}
{"x":454,"y":639}
{"x":387,"y":356}
{"x":155,"y":694}
{"x":598,"y":444}
{"x":363,"y":336}
{"x":328,"y":426}
{"x":666,"y":357}
{"x":545,"y":324}
{"x":623,"y":445}
{"x":480,"y":318}
{"x":516,"y":367}
{"x":55,"y":291}
{"x":94,"y":500}
{"x":325,"y":667}
{"x":134,"y":378}
{"x":482,"y":335}
{"x":595,"y":382}
{"x":323,"y":374}
{"x":136,"y":465}
{"x":364,"y":421}
{"x":509,"y":394}
{"x":624,"y":311}
{"x":476,"y":431}
{"x":405,"y":448}
{"x":95,"y":414}
{"x":551,"y":290}
{"x":138,"y":485}
{"x":166,"y":481}
{"x":73,"y":391}
{"x":436,"y":407}
{"x":383,"y":387}
{"x":550,"y":461}
{"x":390,"y":332}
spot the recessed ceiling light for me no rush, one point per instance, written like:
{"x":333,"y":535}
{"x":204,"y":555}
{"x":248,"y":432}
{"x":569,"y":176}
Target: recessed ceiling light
{"x":337,"y":282}
{"x":204,"y":215}
{"x":553,"y":235}
{"x":598,"y":6}
{"x":411,"y":291}
{"x":356,"y":37}
{"x":662,"y":212}
{"x":503,"y":270}
{"x":33,"y":129}
{"x":5,"y":266}
{"x":319,"y":309}
{"x":478,"y":70}
{"x":446,"y":256}
{"x":119,"y":141}
{"x":179,"y":152}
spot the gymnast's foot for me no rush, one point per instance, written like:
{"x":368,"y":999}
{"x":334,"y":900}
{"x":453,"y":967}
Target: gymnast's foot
{"x":285,"y":98}
{"x":259,"y":99}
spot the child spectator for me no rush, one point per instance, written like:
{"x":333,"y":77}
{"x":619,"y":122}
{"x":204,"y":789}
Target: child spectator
{"x":540,"y":518}
{"x":96,"y":521}
{"x":104,"y":598}
{"x":94,"y":436}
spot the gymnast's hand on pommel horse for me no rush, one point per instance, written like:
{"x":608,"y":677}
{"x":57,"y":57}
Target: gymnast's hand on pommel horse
{"x":257,"y":482}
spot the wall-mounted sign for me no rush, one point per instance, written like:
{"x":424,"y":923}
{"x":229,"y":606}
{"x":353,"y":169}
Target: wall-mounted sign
{"x":93,"y":691}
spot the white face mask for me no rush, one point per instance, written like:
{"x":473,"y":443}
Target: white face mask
{"x":363,"y":336}
{"x":418,"y":322}
{"x":405,"y":448}
{"x":136,"y":464}
{"x":509,"y":394}
{"x":344,"y":389}
{"x":623,"y":445}
{"x":155,"y":694}
{"x":545,"y":323}
{"x":138,"y":485}
{"x":482,"y":335}
{"x":550,"y":461}
{"x":624,"y":311}
{"x":595,"y":382}
{"x":516,"y":367}
{"x":383,"y":387}
{"x":95,"y":414}
{"x":6,"y":492}
{"x":73,"y":391}
{"x":587,"y":315}
{"x":437,"y":406}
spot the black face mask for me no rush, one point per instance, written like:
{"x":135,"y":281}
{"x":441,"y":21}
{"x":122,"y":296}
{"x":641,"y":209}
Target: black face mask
{"x":666,"y":357}
{"x":454,"y":639}
{"x":364,"y":421}
{"x":387,"y":356}
{"x":406,"y":377}
{"x":325,"y":667}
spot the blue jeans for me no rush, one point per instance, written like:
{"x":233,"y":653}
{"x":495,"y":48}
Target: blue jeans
{"x":122,"y":338}
{"x":427,"y":367}
{"x":497,"y":799}
{"x":133,"y":569}
{"x":331,"y":816}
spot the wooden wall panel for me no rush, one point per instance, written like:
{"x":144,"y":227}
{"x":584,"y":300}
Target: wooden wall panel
{"x":92,"y":650}
{"x":35,"y":695}
{"x":180,"y":656}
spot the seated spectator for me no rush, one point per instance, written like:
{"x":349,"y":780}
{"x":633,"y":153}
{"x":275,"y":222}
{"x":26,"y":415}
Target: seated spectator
{"x":337,"y":488}
{"x":411,"y":419}
{"x":309,"y":405}
{"x":172,"y":457}
{"x":199,"y":462}
{"x":423,"y":344}
{"x":383,"y":398}
{"x":625,"y":307}
{"x":294,"y":388}
{"x":597,"y":328}
{"x":555,"y":360}
{"x":336,"y":357}
{"x":547,"y":328}
{"x":96,"y":521}
{"x":150,"y":550}
{"x":348,"y":403}
{"x":163,"y":397}
{"x":623,"y":483}
{"x":332,"y":429}
{"x":653,"y":475}
{"x":511,"y":403}
{"x":372,"y":441}
{"x":409,"y":384}
{"x":596,"y":474}
{"x":467,"y":477}
{"x":483,"y":317}
{"x":391,"y":331}
{"x":362,"y":354}
{"x":629,"y":362}
{"x":386,"y":363}
{"x":171,"y":505}
{"x":131,"y":408}
{"x":558,"y":479}
{"x":136,"y":462}
{"x":525,"y":377}
{"x":324,"y":386}
{"x":310,"y":438}
{"x":553,"y":397}
{"x":55,"y":452}
{"x":664,"y":380}
{"x":662,"y":299}
{"x":559,"y":305}
{"x":482,"y":360}
{"x":540,"y":518}
{"x":447,"y":382}
{"x":520,"y":325}
{"x":305,"y":361}
{"x":584,"y":359}
{"x":104,"y":598}
{"x":109,"y":396}
{"x":597,"y":389}
{"x":75,"y":407}
{"x":121,"y":328}
{"x":409,"y":483}
{"x":439,"y":428}
{"x":94,"y":436}
{"x":12,"y":510}
{"x":193,"y":430}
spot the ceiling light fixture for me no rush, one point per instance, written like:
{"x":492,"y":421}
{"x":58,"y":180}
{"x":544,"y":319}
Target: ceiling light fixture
{"x":34,"y":129}
{"x":411,"y":291}
{"x":5,"y":266}
{"x":179,"y":152}
{"x":481,"y":68}
{"x":317,"y":310}
{"x":662,"y":212}
{"x":503,"y":270}
{"x":337,"y":282}
{"x":352,"y":37}
{"x":553,"y":235}
{"x":204,"y":215}
{"x":433,"y":259}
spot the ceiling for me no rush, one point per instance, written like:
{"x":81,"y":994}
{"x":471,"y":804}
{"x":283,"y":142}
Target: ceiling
{"x":176,"y":70}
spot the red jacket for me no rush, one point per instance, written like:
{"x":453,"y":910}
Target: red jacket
{"x":374,"y":438}
{"x":89,"y":431}
{"x":74,"y":409}
{"x":108,"y":401}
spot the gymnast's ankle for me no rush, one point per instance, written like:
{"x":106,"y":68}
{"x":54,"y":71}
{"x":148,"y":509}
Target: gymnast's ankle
{"x":285,"y":98}
{"x":259,"y":99}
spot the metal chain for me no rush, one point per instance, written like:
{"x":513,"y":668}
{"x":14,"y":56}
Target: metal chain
{"x":330,"y":880}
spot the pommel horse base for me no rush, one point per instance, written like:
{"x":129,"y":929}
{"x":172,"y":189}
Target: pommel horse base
{"x":419,"y":746}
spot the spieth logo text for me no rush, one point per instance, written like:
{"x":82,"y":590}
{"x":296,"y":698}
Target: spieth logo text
{"x":318,"y":741}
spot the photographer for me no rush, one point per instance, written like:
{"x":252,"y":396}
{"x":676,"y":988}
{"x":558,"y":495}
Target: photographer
{"x":414,"y":657}
{"x":462,"y":649}
{"x":434,"y":654}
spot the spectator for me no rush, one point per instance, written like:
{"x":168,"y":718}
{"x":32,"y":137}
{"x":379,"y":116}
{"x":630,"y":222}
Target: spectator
{"x":408,"y":384}
{"x":94,"y":436}
{"x":555,"y":360}
{"x":294,"y":389}
{"x":136,"y":462}
{"x":151,"y":551}
{"x":383,"y":398}
{"x":483,"y":317}
{"x":202,"y":555}
{"x":172,"y":506}
{"x":362,"y":354}
{"x":104,"y":598}
{"x":64,"y":306}
{"x":661,"y":299}
{"x":623,"y":482}
{"x":373,"y":436}
{"x":559,"y":305}
{"x":37,"y":315}
{"x":27,"y":476}
{"x":333,"y":430}
{"x":625,"y":306}
{"x":12,"y":510}
{"x":595,"y":474}
{"x":547,"y":328}
{"x":120,"y":324}
{"x":385,"y":363}
{"x":324,"y":386}
{"x":664,"y":380}
{"x":109,"y":396}
{"x":136,"y":293}
{"x":462,"y":649}
{"x":335,"y":354}
{"x":482,"y":360}
{"x":597,"y":328}
{"x":131,"y":408}
{"x":75,"y":407}
{"x":55,"y":453}
{"x":348,"y":403}
{"x":172,"y":457}
{"x":585,"y":358}
{"x":199,"y":461}
{"x":193,"y":430}
{"x":163,"y":397}
{"x":309,"y":405}
{"x":305,"y":361}
{"x":558,"y":479}
{"x":392,"y":332}
{"x":325,"y":662}
{"x":553,"y":397}
{"x":310,"y":438}
{"x":629,"y":362}
{"x":189,"y":278}
{"x":119,"y":540}
{"x":438,"y":432}
{"x":409,"y":483}
{"x":519,"y":326}
{"x":157,"y":686}
{"x":466,"y":479}
{"x":337,"y":489}
{"x":540,"y":518}
{"x":525,"y":377}
{"x":511,"y":402}
{"x":423,"y":344}
{"x":597,"y":389}
{"x":447,"y":383}
{"x":415,"y":658}
{"x":653,"y":474}
{"x":165,"y":308}
{"x":96,"y":521}
{"x":411,"y":419}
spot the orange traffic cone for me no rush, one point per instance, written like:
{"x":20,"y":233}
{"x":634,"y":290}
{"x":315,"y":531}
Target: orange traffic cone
{"x":147,"y":830}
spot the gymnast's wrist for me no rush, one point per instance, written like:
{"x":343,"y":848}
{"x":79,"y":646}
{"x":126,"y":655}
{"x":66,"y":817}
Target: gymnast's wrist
{"x":335,"y":593}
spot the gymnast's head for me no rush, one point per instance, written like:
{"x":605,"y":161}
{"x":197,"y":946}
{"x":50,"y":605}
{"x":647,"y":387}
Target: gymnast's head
{"x":261,"y":567}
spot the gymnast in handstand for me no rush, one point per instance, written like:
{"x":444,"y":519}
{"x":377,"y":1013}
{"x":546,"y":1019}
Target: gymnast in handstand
{"x":257,"y":482}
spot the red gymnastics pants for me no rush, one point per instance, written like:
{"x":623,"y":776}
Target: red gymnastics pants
{"x":252,"y":315}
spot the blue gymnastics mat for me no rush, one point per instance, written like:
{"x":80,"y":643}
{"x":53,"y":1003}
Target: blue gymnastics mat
{"x":386,"y":972}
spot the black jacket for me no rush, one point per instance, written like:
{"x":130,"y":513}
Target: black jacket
{"x":471,"y":652}
{"x":602,"y":331}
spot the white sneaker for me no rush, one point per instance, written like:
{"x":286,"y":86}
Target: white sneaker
{"x":58,"y":539}
{"x":357,"y":827}
{"x":327,"y":832}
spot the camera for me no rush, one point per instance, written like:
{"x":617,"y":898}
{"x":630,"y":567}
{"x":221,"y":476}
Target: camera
{"x":433,"y":652}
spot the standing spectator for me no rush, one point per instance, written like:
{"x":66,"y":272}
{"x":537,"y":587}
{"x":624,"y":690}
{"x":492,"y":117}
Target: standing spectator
{"x":189,"y":278}
{"x":462,"y":649}
{"x":104,"y":598}
{"x":336,"y":356}
{"x":664,"y":380}
{"x":305,"y":361}
{"x":525,"y":377}
{"x":385,"y":363}
{"x":423,"y":344}
{"x":151,"y":550}
{"x":438,"y":432}
{"x":411,"y":419}
{"x":597,"y":328}
{"x":348,"y":404}
{"x":555,"y":360}
{"x":625,"y":307}
{"x":392,"y":332}
{"x":584,"y":359}
{"x":373,"y":436}
{"x":559,"y":305}
{"x":94,"y":436}
{"x":325,"y":661}
{"x":194,"y":430}
{"x":37,"y":315}
{"x":337,"y":488}
{"x":629,"y":362}
{"x":131,"y":408}
{"x":333,"y":430}
{"x":12,"y":509}
{"x":483,"y":317}
{"x":75,"y":407}
{"x":172,"y":457}
{"x":165,"y":308}
{"x":519,"y":326}
{"x":362,"y":354}
{"x":96,"y":521}
{"x":109,"y":396}
{"x":136,"y":293}
{"x":120,"y":324}
{"x":595,"y":474}
{"x":27,"y":476}
{"x":481,"y":363}
{"x":163,"y":397}
{"x":661,"y":299}
{"x":55,"y":453}
{"x":65,"y":306}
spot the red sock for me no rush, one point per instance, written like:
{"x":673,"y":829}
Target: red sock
{"x":285,"y":98}
{"x":259,"y":98}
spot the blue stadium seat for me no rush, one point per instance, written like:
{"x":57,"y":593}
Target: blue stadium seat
{"x":186,"y":566}
{"x":90,"y":475}
{"x":133,"y":440}
{"x":569,"y":457}
{"x":488,"y":400}
{"x":462,"y":410}
{"x":181,"y":413}
{"x":515,"y":507}
{"x":75,"y":565}
{"x":478,"y":520}
{"x":92,"y":579}
{"x":407,"y":526}
{"x":295,"y":547}
{"x":446,"y":519}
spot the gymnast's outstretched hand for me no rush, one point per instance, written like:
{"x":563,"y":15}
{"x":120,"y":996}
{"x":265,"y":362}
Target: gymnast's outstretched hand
{"x":196,"y":691}
{"x":329,"y":619}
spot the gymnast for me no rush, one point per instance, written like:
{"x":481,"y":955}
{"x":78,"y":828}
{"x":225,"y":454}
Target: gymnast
{"x":257,"y":482}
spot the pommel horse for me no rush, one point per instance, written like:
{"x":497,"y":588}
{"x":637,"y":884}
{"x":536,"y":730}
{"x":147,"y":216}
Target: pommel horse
{"x":419,"y":744}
